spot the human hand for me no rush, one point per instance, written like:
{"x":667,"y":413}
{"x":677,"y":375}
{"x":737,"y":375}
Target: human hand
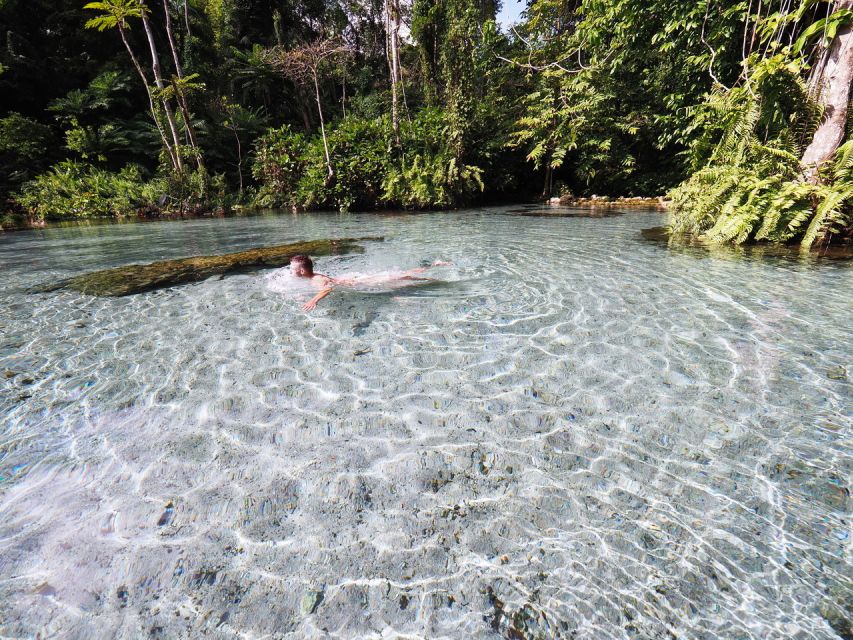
{"x":308,"y":306}
{"x":441,"y":263}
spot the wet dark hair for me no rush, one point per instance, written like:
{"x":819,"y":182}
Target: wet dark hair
{"x":304,"y":262}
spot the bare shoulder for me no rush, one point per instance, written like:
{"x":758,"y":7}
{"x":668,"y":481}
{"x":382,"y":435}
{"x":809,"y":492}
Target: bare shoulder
{"x":320,"y":281}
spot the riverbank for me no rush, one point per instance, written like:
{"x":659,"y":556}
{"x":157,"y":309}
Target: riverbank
{"x":12,"y":222}
{"x":841,"y":250}
{"x":659,"y":202}
{"x":20,"y":222}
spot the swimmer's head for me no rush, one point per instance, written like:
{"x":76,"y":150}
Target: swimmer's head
{"x":301,"y":267}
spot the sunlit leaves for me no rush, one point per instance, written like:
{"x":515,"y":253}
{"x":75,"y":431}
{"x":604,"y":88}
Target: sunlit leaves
{"x":114,"y":13}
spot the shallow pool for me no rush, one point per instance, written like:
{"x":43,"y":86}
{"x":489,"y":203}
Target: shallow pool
{"x":577,"y":433}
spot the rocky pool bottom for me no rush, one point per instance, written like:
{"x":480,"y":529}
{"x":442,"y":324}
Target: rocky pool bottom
{"x":576,"y":433}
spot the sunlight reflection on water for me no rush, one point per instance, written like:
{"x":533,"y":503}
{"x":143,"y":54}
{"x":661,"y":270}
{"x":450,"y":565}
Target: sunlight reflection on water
{"x":576,"y":432}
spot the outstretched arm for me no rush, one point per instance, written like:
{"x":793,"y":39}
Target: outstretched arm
{"x":313,"y":301}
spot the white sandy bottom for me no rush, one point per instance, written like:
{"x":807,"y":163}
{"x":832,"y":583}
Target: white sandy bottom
{"x":619,"y":442}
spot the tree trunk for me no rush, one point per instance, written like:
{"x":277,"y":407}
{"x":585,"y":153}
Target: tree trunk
{"x":239,"y":157}
{"x":392,"y":25}
{"x":141,"y":73}
{"x":158,"y":80}
{"x":179,"y":90}
{"x":187,"y":17}
{"x":546,"y":189}
{"x":304,"y":104}
{"x":831,"y":87}
{"x":322,"y":124}
{"x":344,"y":93}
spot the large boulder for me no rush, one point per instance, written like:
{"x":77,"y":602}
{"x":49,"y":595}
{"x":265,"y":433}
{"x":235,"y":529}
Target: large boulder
{"x":139,"y":278}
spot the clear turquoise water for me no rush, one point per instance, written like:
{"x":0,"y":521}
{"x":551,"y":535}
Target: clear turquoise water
{"x":578,"y":432}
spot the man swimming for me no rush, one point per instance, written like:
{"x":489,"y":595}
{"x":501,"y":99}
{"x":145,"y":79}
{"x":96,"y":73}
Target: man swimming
{"x":303,"y":267}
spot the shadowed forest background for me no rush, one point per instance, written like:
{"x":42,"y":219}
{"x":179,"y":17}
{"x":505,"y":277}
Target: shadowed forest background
{"x":736,"y":109}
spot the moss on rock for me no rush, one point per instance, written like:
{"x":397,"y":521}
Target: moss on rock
{"x":139,"y":278}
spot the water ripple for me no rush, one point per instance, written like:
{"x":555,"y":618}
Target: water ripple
{"x":577,"y":434}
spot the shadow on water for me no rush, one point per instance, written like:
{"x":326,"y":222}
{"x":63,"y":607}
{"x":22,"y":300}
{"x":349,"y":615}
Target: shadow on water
{"x":368,"y":305}
{"x":691,"y":245}
{"x":360,"y":327}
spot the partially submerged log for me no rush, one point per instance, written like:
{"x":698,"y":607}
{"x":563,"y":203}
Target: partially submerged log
{"x":139,"y":278}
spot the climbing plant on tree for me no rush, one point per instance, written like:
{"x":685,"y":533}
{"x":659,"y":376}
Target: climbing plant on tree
{"x":781,"y":170}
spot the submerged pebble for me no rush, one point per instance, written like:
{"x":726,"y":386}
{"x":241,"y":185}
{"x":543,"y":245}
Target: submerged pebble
{"x":311,"y":600}
{"x":166,"y":516}
{"x":837,"y":373}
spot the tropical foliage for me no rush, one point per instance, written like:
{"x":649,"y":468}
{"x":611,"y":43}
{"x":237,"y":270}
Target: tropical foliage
{"x":752,"y":184}
{"x":727,"y":105}
{"x":370,"y":171}
{"x":74,"y":190}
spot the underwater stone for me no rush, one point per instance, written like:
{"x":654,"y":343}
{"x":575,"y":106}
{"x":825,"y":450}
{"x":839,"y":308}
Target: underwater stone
{"x":525,"y":623}
{"x":311,"y":600}
{"x":837,"y":619}
{"x":837,"y":373}
{"x":139,"y":278}
{"x":166,"y":516}
{"x":45,"y":589}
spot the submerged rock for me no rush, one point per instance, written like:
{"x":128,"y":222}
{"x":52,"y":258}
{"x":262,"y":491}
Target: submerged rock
{"x":525,"y":623}
{"x":837,"y":373}
{"x":838,"y":619}
{"x":139,"y":278}
{"x":46,"y":590}
{"x":166,"y":516}
{"x":311,"y":600}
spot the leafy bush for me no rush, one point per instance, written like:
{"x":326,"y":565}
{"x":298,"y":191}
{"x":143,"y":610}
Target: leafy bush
{"x":90,"y":132}
{"x":76,"y":190}
{"x":192,"y":192}
{"x":752,"y":186}
{"x":766,"y":199}
{"x":369,"y":170}
{"x":428,"y":174}
{"x":279,"y":164}
{"x":24,"y":143}
{"x":359,"y":149}
{"x":72,"y":190}
{"x":292,"y":170}
{"x":432,"y":182}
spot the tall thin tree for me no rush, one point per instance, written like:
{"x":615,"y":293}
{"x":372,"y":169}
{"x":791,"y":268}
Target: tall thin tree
{"x":181,"y":87}
{"x":392,"y":29}
{"x":116,"y":14}
{"x":161,"y":85}
{"x":304,"y":65}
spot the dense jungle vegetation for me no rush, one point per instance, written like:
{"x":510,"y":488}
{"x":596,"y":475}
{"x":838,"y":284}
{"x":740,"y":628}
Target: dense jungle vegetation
{"x":736,"y":108}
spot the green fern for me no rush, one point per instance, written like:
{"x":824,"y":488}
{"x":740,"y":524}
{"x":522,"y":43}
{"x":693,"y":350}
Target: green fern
{"x":751,"y":187}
